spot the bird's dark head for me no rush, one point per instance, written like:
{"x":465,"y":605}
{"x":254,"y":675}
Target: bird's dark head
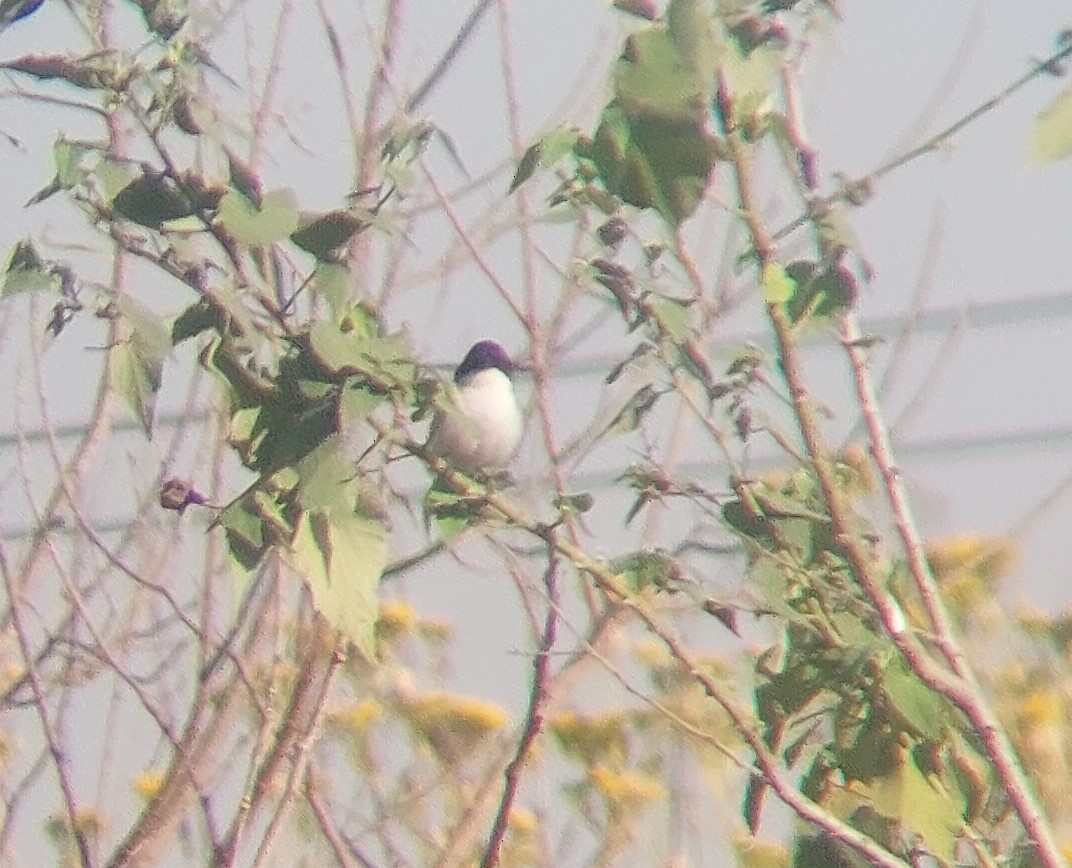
{"x":484,"y":355}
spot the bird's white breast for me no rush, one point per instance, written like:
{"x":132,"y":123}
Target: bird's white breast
{"x":482,"y":431}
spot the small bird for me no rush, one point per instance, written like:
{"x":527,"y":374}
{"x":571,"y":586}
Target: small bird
{"x":478,"y":428}
{"x":14,"y":10}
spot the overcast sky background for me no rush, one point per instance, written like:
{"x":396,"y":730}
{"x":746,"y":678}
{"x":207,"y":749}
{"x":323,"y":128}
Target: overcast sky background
{"x":985,"y":371}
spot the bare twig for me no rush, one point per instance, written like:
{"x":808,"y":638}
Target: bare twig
{"x":538,"y":697}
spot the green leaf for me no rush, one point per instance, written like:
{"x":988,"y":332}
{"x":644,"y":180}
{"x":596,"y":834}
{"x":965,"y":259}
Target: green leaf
{"x":323,"y":234}
{"x":152,"y":200}
{"x":383,"y":361}
{"x":691,"y":28}
{"x":526,"y":166}
{"x":276,"y":219}
{"x":338,"y":545}
{"x":546,"y":153}
{"x":924,"y":806}
{"x":111,"y":177}
{"x":244,"y":530}
{"x":819,"y":293}
{"x":574,"y":504}
{"x":25,"y":271}
{"x":928,"y":713}
{"x":356,"y":404}
{"x":654,"y":147}
{"x":452,"y":512}
{"x":341,"y":556}
{"x":648,"y":569}
{"x":778,"y":286}
{"x":137,"y":380}
{"x":674,"y":315}
{"x":657,"y":80}
{"x":633,"y":413}
{"x":752,"y":77}
{"x":148,"y":331}
{"x":334,"y":284}
{"x":68,"y":159}
{"x":654,"y":163}
{"x":198,"y":317}
{"x":1051,"y":137}
{"x":137,"y":359}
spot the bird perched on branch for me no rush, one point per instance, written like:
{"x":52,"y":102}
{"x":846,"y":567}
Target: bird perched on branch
{"x":478,"y":427}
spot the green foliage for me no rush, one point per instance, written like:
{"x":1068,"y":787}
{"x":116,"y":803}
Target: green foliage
{"x":25,"y":271}
{"x":310,"y":500}
{"x":152,"y":200}
{"x":254,"y":226}
{"x":878,"y":748}
{"x":314,"y":385}
{"x":778,"y":286}
{"x":653,"y":147}
{"x":1051,"y":138}
{"x":137,"y":357}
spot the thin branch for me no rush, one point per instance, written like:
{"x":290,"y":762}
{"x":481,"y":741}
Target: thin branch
{"x":48,"y":730}
{"x":957,"y":682}
{"x":456,"y":45}
{"x":934,"y":143}
{"x":538,"y":697}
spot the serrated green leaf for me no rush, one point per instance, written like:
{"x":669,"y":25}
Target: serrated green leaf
{"x":276,"y":219}
{"x":137,"y":359}
{"x":778,"y":286}
{"x":341,"y":555}
{"x":1051,"y":136}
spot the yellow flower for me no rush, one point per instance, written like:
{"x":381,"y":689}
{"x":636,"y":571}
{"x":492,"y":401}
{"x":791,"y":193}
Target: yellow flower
{"x":454,"y":725}
{"x":148,"y":784}
{"x":985,"y":558}
{"x":595,"y":739}
{"x":397,"y":618}
{"x":625,"y":788}
{"x":522,"y":822}
{"x":1042,"y":708}
{"x":355,"y":717}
